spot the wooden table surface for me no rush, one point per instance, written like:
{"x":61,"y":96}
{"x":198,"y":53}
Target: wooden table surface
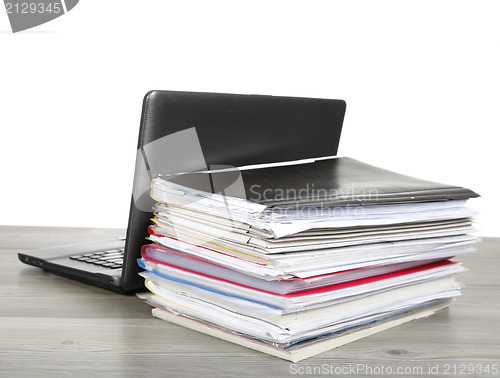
{"x":52,"y":326}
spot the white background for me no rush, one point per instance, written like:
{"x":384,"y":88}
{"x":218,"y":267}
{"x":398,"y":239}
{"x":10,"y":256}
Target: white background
{"x":421,"y":80}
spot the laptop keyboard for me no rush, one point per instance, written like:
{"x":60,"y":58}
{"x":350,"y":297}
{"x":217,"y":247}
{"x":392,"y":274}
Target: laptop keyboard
{"x":112,"y":258}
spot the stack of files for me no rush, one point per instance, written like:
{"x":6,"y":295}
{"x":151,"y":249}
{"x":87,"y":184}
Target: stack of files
{"x":294,"y":260}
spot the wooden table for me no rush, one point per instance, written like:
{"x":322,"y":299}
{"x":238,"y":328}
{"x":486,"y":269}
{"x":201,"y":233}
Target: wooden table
{"x":52,"y":326}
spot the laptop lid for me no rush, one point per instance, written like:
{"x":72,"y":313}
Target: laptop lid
{"x":188,"y":131}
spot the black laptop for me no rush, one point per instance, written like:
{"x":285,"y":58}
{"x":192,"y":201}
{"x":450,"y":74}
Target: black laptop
{"x":191,"y":131}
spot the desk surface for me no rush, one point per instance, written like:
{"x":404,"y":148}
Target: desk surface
{"x":52,"y":326}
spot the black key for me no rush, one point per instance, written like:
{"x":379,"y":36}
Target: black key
{"x":103,"y":257}
{"x":114,"y":257}
{"x":120,"y":259}
{"x":84,"y":259}
{"x":98,"y":263}
{"x":112,"y":254}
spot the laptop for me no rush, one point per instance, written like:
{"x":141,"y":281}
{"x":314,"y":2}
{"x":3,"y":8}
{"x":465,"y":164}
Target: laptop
{"x":187,"y":132}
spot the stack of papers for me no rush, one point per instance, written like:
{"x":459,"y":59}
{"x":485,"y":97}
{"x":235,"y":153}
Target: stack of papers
{"x":246,"y":257}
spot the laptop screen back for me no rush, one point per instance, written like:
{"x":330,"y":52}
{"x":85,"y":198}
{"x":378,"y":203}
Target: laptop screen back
{"x":189,"y":131}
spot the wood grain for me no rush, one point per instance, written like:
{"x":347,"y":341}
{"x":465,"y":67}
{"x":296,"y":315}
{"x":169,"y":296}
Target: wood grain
{"x":51,"y":326}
